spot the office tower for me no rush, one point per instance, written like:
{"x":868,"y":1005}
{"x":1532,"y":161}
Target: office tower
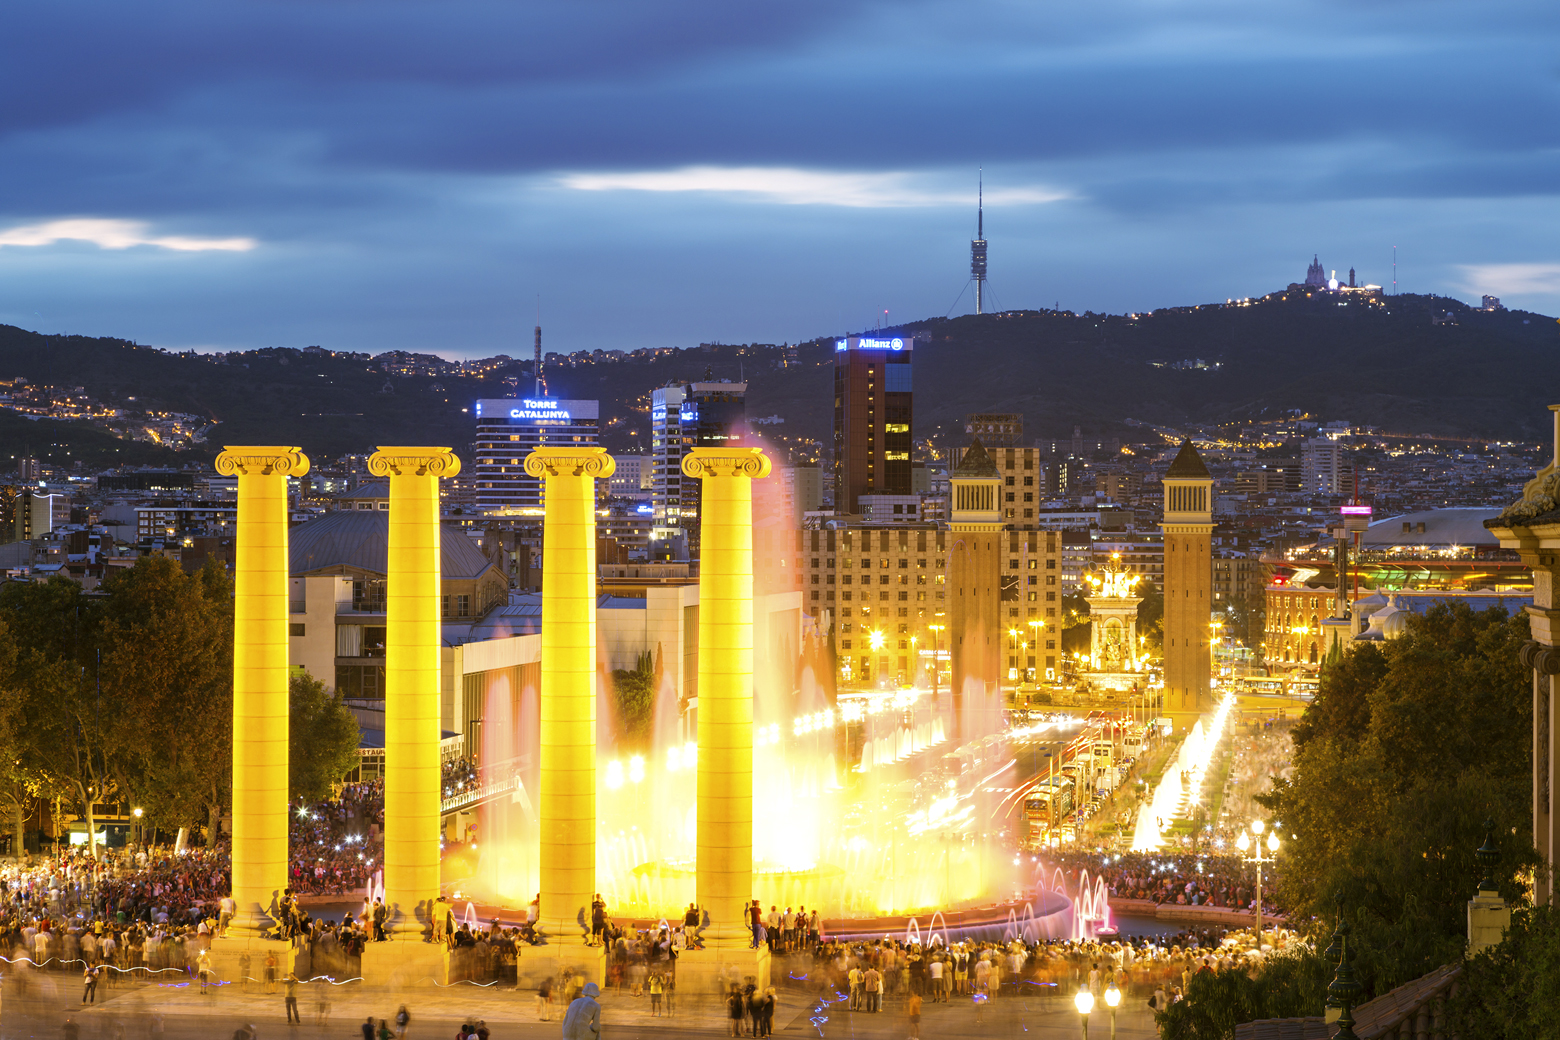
{"x":1188,"y":591}
{"x":684,"y":416}
{"x":871,"y":418}
{"x":1324,"y":469}
{"x":509,"y":429}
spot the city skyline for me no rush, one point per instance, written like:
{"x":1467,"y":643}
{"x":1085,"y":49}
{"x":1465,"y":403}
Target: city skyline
{"x":272,"y":177}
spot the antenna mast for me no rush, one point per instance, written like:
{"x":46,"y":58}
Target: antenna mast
{"x":978,"y":245}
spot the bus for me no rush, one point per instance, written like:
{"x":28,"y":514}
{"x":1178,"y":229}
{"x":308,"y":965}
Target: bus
{"x":1048,"y":803}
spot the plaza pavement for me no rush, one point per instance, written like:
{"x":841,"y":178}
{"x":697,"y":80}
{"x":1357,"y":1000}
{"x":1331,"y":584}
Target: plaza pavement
{"x":178,"y":1011}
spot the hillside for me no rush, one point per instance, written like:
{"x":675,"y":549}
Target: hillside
{"x":1486,"y":375}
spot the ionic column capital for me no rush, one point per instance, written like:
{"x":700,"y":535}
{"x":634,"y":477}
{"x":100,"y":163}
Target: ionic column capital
{"x":414,"y":461}
{"x":570,"y":462}
{"x":725,"y":462}
{"x":263,"y":461}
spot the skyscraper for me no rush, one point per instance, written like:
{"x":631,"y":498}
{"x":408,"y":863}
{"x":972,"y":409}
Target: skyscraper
{"x":509,"y":429}
{"x":683,"y":416}
{"x":1188,"y":591}
{"x":872,"y":408}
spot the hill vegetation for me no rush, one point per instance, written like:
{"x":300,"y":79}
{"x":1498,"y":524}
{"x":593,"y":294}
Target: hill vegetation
{"x":1411,"y":365}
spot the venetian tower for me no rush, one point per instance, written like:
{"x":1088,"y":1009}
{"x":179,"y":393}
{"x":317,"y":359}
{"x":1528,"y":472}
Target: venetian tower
{"x":975,"y":590}
{"x":1188,"y":591}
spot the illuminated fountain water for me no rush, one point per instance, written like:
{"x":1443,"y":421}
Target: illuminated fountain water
{"x":863,"y":805}
{"x":1180,"y":788}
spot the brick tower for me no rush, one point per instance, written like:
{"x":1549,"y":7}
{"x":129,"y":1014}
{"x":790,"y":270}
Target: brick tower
{"x":975,"y":592}
{"x":1188,"y":590}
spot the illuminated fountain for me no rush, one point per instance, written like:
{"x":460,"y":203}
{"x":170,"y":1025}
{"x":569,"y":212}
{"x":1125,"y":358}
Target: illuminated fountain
{"x":861,"y":805}
{"x":1180,"y":788}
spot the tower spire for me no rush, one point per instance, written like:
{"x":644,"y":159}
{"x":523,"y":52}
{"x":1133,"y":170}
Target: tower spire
{"x":978,"y":246}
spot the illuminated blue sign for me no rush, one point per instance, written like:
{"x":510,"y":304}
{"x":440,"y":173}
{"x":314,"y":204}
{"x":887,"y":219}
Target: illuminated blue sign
{"x":645,"y":510}
{"x":538,"y":409}
{"x":869,"y":343}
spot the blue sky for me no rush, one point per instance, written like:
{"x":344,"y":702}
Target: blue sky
{"x":419,"y":175}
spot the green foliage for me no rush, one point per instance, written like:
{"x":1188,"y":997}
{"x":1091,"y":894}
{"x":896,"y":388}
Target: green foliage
{"x":634,"y":701}
{"x":166,"y":640}
{"x":124,"y":696}
{"x":1151,"y":616}
{"x":1286,"y":986}
{"x":323,"y":739}
{"x":1406,"y":750}
{"x":1511,"y":991}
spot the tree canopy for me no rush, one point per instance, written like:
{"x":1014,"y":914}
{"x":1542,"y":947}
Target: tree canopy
{"x":323,"y":739}
{"x":1406,"y":750}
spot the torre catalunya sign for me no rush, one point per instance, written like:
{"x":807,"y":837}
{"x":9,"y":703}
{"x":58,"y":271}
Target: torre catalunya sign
{"x":567,"y":712}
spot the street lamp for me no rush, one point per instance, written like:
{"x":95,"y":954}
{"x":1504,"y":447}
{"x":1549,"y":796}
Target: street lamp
{"x":1084,"y":1002}
{"x":1112,"y":998}
{"x":936,"y":630}
{"x":1253,"y":842}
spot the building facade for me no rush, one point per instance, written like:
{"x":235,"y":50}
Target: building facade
{"x":509,"y":429}
{"x":684,"y":416}
{"x":872,"y":416}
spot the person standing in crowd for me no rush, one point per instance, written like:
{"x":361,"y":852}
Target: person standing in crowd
{"x":544,"y":1000}
{"x":403,"y":1018}
{"x":89,"y":979}
{"x":290,"y":1000}
{"x":583,"y":1019}
{"x":872,"y":982}
{"x":734,"y":1011}
{"x":913,"y":1009}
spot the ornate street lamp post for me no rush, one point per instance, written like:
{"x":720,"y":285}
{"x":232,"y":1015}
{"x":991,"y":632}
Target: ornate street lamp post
{"x":1253,"y":842}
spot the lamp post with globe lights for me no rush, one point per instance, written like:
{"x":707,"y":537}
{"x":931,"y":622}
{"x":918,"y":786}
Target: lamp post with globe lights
{"x":1083,"y":1000}
{"x":1253,"y":841}
{"x":1112,"y":1000}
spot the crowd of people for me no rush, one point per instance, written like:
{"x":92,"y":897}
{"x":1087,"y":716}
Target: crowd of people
{"x":336,"y":845}
{"x":1181,"y":879}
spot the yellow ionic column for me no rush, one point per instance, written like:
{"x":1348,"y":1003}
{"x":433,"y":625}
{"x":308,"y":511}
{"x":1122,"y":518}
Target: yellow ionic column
{"x":260,"y":679}
{"x":567,"y":781}
{"x":725,"y":796}
{"x":412,"y":642}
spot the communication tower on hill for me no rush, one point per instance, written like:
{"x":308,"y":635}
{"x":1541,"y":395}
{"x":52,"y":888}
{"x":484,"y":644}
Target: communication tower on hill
{"x":978,"y":245}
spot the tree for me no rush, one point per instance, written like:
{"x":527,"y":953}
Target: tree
{"x":1511,"y":990}
{"x":634,"y":699}
{"x":1402,"y":756}
{"x":323,"y":739}
{"x":166,"y":640}
{"x":1151,"y":616}
{"x":1285,"y":986}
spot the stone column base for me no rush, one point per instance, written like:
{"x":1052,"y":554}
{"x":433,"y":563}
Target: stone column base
{"x":536,"y":963}
{"x":227,"y":958}
{"x":711,"y":972}
{"x":403,"y":963}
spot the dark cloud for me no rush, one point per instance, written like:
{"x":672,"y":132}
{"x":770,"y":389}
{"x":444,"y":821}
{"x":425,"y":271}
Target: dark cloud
{"x":410,"y":151}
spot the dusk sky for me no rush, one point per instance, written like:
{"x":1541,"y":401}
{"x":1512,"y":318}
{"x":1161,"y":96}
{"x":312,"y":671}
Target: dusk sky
{"x":417,"y":175}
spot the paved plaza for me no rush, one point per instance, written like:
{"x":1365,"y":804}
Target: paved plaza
{"x":39,"y":1005}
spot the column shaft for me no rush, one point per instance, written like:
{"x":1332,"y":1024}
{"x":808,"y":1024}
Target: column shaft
{"x":567,"y":780}
{"x":412,"y":643}
{"x":260,"y":700}
{"x":725,"y":784}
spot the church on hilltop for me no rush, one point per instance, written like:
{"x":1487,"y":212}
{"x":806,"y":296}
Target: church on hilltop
{"x":1318,"y":280}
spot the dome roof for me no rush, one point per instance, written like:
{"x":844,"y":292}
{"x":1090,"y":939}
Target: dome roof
{"x":1365,"y":606}
{"x":361,"y":539}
